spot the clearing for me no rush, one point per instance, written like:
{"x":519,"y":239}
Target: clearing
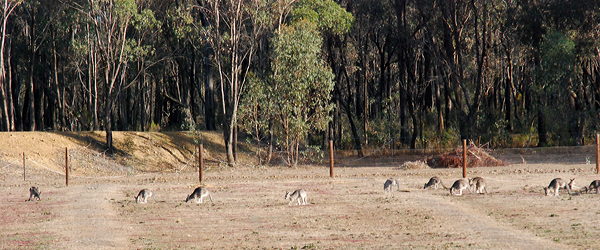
{"x":351,"y":211}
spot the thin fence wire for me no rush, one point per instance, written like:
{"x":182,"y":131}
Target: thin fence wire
{"x":365,"y":156}
{"x":187,"y":163}
{"x":90,"y":160}
{"x":87,"y":160}
{"x":12,"y":163}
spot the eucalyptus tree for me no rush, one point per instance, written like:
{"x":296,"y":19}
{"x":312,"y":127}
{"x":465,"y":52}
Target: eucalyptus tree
{"x":567,"y":62}
{"x":185,"y":45}
{"x":295,"y":100}
{"x":303,"y":86}
{"x":38,"y":21}
{"x":233,"y":34}
{"x":7,"y":112}
{"x":111,"y":20}
{"x":111,"y":24}
{"x":466,"y":37}
{"x":555,"y":53}
{"x":143,"y":45}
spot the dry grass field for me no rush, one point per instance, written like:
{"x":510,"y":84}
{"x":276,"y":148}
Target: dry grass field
{"x":350,"y":211}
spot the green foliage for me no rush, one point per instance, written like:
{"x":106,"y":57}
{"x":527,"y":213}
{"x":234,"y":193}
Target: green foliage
{"x":327,"y":14}
{"x":545,"y":53}
{"x":145,"y":20}
{"x":184,"y":23}
{"x":312,"y":154}
{"x":188,"y":123}
{"x":154,"y":127}
{"x":491,"y":128}
{"x":558,"y":61}
{"x":296,"y":98}
{"x":123,"y":9}
{"x":303,"y":82}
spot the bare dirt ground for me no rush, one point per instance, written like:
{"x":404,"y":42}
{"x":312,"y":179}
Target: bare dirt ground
{"x":98,"y":211}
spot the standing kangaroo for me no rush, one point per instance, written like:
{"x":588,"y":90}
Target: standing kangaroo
{"x":299,"y":195}
{"x":478,"y":184}
{"x":143,"y":196}
{"x":199,"y":193}
{"x":34,"y":193}
{"x":389,"y":183}
{"x":594,"y":185}
{"x":434,"y":182}
{"x":558,"y":183}
{"x":459,"y":185}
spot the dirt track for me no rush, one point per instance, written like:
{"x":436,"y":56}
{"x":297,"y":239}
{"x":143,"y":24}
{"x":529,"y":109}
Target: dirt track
{"x":350,"y":211}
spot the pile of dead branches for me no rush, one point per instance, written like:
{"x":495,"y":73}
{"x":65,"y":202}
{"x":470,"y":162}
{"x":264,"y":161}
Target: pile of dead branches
{"x":476,"y":157}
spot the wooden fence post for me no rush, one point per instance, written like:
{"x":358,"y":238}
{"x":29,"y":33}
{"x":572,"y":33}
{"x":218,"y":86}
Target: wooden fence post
{"x":597,"y":153}
{"x":331,"y":158}
{"x":200,"y":162}
{"x":67,"y":166}
{"x":464,"y":142}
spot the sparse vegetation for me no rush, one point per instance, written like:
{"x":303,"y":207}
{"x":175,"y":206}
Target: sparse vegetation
{"x":350,"y":211}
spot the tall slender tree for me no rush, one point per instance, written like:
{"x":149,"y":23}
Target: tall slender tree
{"x":8,"y":7}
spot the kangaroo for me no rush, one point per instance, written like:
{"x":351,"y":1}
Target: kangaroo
{"x":435,"y":182}
{"x":557,"y":184}
{"x":389,"y":183}
{"x":34,"y":193}
{"x":299,"y":195}
{"x":459,"y":185}
{"x":594,"y":185}
{"x":199,"y":193}
{"x":478,"y":184}
{"x":143,"y":196}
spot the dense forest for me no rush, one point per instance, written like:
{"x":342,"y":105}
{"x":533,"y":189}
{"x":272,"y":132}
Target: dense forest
{"x":290,"y":75}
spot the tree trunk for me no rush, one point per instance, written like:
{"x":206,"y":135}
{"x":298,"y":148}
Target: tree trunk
{"x":413,"y":138}
{"x":271,"y":141}
{"x":57,"y":91}
{"x":438,"y":103}
{"x":30,"y":103}
{"x":542,"y":133}
{"x":5,"y":82}
{"x":108,"y":111}
{"x":108,"y":126}
{"x":357,"y":143}
{"x":7,"y":76}
{"x":508,"y":95}
{"x":228,"y":135}
{"x":209,"y":96}
{"x":141,"y":107}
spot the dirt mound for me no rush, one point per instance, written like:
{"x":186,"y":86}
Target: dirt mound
{"x":476,"y":157}
{"x":134,"y":151}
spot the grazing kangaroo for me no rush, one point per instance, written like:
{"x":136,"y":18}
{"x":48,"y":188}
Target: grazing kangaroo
{"x":557,"y":184}
{"x":594,"y":185}
{"x":299,"y":195}
{"x":478,"y":184}
{"x":435,"y":182}
{"x":199,"y":193}
{"x":459,"y":185}
{"x":143,"y":196}
{"x":389,"y":183}
{"x":34,"y":193}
